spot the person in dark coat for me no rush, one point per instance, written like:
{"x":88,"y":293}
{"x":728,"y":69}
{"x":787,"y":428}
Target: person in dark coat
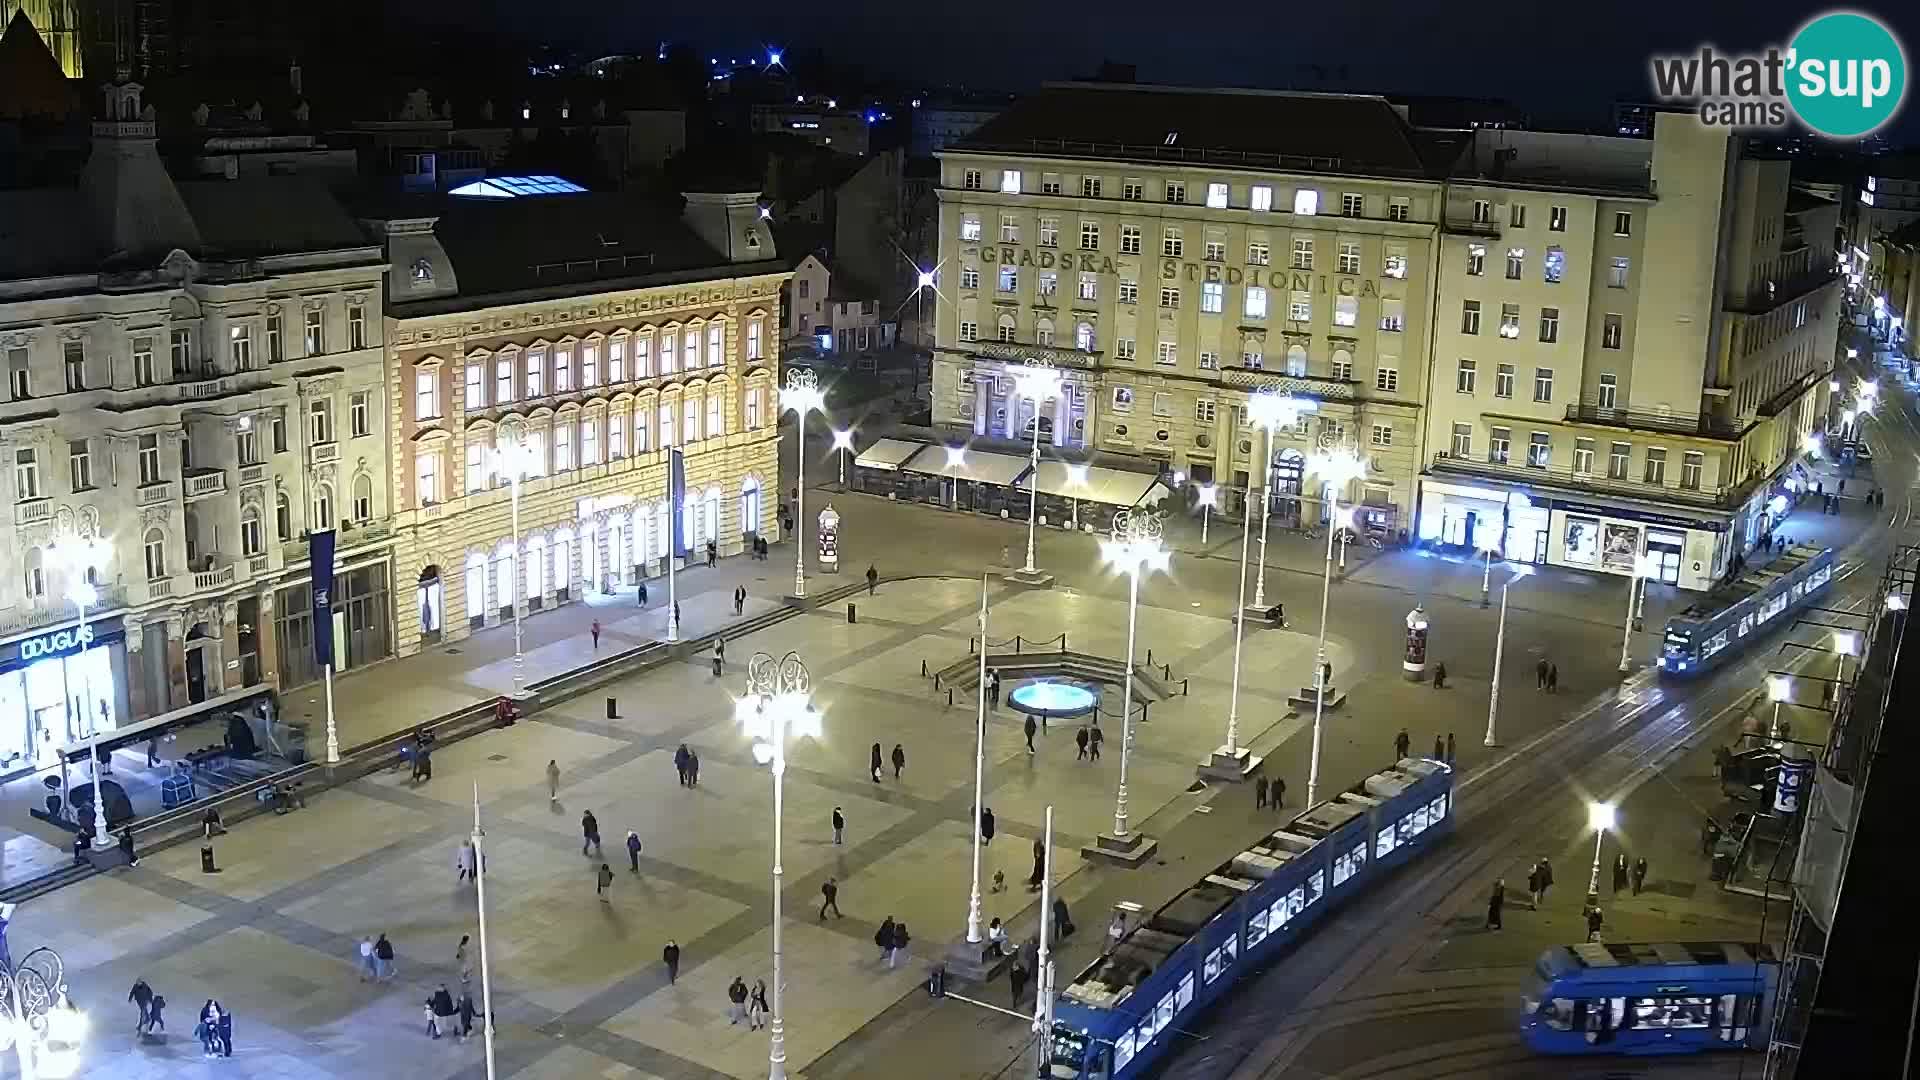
{"x":680,"y":758}
{"x":439,"y":1008}
{"x":1620,"y":872}
{"x":1594,"y":919}
{"x":986,"y":825}
{"x":156,"y":1014}
{"x":1279,"y":791}
{"x":633,"y":851}
{"x":1400,"y":744}
{"x":1496,"y":901}
{"x":1639,"y":874}
{"x":142,"y":996}
{"x":829,"y":898}
{"x":602,"y":881}
{"x":736,"y":1000}
{"x":883,"y":938}
{"x":1533,"y":885}
{"x":1546,"y":877}
{"x":1540,"y":674}
{"x":901,"y":939}
{"x":225,"y":1030}
{"x":873,"y":764}
{"x":671,"y":957}
{"x":1017,"y":978}
{"x":1039,"y":867}
{"x":126,"y":846}
{"x":873,"y":578}
{"x":1449,"y":758}
{"x":899,"y":759}
{"x":466,"y":1011}
{"x":1553,"y":678}
{"x":1030,"y":728}
{"x":1260,"y":793}
{"x":1439,"y":676}
{"x":839,"y":826}
{"x":1439,"y":748}
{"x":693,"y":768}
{"x":1080,"y":741}
{"x":1062,"y":922}
{"x":589,"y":832}
{"x":1094,"y":738}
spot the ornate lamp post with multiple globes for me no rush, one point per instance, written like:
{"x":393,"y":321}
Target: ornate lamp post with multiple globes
{"x":1135,"y":547}
{"x":79,"y":558}
{"x":802,"y":395}
{"x":37,"y":1018}
{"x":1337,"y":467}
{"x":1038,"y":382}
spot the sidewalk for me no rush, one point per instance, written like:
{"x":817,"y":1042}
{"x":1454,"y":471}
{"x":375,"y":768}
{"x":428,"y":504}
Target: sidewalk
{"x":385,"y":697}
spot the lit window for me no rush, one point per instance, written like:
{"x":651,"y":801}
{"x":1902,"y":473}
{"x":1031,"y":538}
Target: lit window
{"x":1213,"y":297}
{"x":1349,"y":258}
{"x":1256,"y":305}
{"x":1306,"y":201}
{"x":970,"y":228}
{"x":426,"y":395}
{"x":1217,"y":196}
{"x":1617,"y":273}
{"x":1261,"y":198}
{"x":1010,"y":182}
{"x":1346,"y":310}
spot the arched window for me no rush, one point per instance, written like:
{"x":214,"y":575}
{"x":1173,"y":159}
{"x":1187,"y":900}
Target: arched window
{"x":1083,"y":337}
{"x":36,"y":574}
{"x":1296,"y":360}
{"x":253,"y":540}
{"x":155,"y":547}
{"x":282,"y":516}
{"x":1043,"y":332}
{"x":750,"y":506}
{"x":363,"y":498}
{"x":1007,"y":327}
{"x":476,"y":588}
{"x":322,"y":518}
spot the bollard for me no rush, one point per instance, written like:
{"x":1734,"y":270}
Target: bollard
{"x":850,"y":618}
{"x":949,"y":696}
{"x":1166,"y":672}
{"x":936,"y":680}
{"x":923,"y":669}
{"x":1183,"y":688}
{"x":206,"y":860}
{"x":613,"y":708}
{"x":1149,"y":657}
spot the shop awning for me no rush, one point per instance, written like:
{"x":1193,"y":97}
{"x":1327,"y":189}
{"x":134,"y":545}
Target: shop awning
{"x":979,"y":466}
{"x":888,"y":454}
{"x":134,"y":734}
{"x":1112,"y":487}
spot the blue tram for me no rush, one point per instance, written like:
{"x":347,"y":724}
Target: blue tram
{"x":1650,"y":999}
{"x":1122,"y":1013}
{"x":1698,"y":637}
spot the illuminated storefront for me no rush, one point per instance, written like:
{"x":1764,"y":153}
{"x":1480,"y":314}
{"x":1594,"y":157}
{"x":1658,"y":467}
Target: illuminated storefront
{"x":51,"y":684}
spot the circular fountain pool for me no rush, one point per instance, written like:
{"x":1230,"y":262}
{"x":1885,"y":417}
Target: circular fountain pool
{"x":1053,"y":699}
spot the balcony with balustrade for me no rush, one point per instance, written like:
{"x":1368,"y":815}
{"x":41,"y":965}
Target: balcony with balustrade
{"x":1694,"y":425}
{"x":1565,"y":478}
{"x":52,"y":612}
{"x":199,"y":484}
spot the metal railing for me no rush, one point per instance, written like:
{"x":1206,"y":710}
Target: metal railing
{"x":1704,"y":425}
{"x":1566,"y":477}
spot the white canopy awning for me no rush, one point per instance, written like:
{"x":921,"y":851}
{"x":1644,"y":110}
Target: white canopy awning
{"x":888,"y":454}
{"x":1112,"y":487}
{"x":979,"y":466}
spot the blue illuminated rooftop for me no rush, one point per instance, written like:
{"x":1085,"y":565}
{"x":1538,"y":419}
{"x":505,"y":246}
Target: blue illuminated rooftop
{"x":513,"y":187}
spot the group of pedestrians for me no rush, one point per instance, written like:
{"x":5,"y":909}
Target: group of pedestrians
{"x":1443,"y":746}
{"x":214,"y":1027}
{"x":1546,"y":676}
{"x":875,"y":767}
{"x":1269,"y":793}
{"x":1088,"y":739}
{"x":445,"y":1015}
{"x":152,"y":1008}
{"x":1625,"y":873}
{"x":748,"y":1005}
{"x":687,"y":763}
{"x":892,"y":938}
{"x":376,"y":959}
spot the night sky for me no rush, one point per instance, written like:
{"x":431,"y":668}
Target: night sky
{"x":1562,"y":62}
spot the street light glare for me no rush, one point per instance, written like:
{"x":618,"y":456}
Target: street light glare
{"x":1600,"y":815}
{"x":1343,"y":517}
{"x":802,"y":399}
{"x":1845,"y":642}
{"x":926,"y":279}
{"x":1273,"y":410}
{"x":1779,"y":688}
{"x":1896,"y":602}
{"x":1208,"y":493}
{"x":1077,"y":475}
{"x":1523,"y":571}
{"x":956,"y":456}
{"x":843,"y":439}
{"x":1037,"y":382}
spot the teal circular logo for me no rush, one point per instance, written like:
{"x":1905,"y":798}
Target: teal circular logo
{"x":1846,"y":74}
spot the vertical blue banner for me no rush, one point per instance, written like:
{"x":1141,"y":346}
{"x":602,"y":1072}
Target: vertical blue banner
{"x":320,"y":566}
{"x":677,"y":492}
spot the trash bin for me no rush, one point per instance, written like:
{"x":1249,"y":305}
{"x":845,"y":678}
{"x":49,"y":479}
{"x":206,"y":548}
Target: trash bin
{"x":206,"y":859}
{"x":1722,"y":865}
{"x":297,"y":744}
{"x":850,"y":614}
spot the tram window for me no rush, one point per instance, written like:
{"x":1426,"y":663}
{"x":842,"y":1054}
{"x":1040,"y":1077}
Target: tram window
{"x":1183,"y":996}
{"x":1559,"y":1014}
{"x":1069,"y":1049}
{"x":1122,"y":1050}
{"x":1419,"y":816}
{"x":1257,"y":927}
{"x":1359,"y":856}
{"x":1163,"y":1013}
{"x":1230,"y":950}
{"x":1672,"y":1011}
{"x":1437,"y":810}
{"x":1605,"y":1014}
{"x":1212,"y":967}
{"x":1316,"y":884}
{"x":1143,"y":1034}
{"x":1383,"y":844}
{"x":1405,"y":830}
{"x":1277,"y":915}
{"x":1342,"y":869}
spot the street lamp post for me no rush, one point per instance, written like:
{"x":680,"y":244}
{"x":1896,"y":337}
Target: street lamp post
{"x":777,"y":704}
{"x":1779,"y":690}
{"x":843,"y":442}
{"x":1208,"y":495}
{"x":480,"y":899}
{"x":979,"y":770}
{"x":802,"y":395}
{"x":1600,"y":818}
{"x":1134,"y":547}
{"x":1486,"y":572}
{"x":1269,"y":409}
{"x":1232,"y":748}
{"x":513,"y":455}
{"x":1845,"y":643}
{"x":1337,"y":467}
{"x":78,"y":559}
{"x":1499,"y":650}
{"x":1039,"y":382}
{"x":1643,"y":567}
{"x":1043,"y":975}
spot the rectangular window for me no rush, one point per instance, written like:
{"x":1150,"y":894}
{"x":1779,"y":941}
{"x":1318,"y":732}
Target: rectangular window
{"x":1132,"y":190}
{"x":690,"y":359}
{"x":1217,"y":196}
{"x":74,"y":357}
{"x":1089,"y":236}
{"x":1089,"y":287}
{"x":280,"y":430}
{"x":1300,"y":306}
{"x":969,"y":229}
{"x":969,"y":331}
{"x":1050,"y":232}
{"x":26,"y":475}
{"x":1482,"y":212}
{"x":1346,"y":311}
{"x":1692,"y":463}
{"x":1622,"y":223}
{"x":1610,"y":331}
{"x":1297,"y":367}
{"x":1303,"y":253}
{"x":316,"y":332}
{"x":1049,"y":183}
{"x":1503,"y":381}
{"x":1215,"y":251}
{"x":1341,"y":369}
{"x":426,"y":395}
{"x":1617,"y":456}
{"x":144,"y":372}
{"x":1049,"y":283}
{"x":360,"y":413}
{"x":1549,"y":325}
{"x":640,"y":443}
{"x":1554,"y":266}
{"x":1172,"y":244}
{"x":1539,"y":450}
{"x":1516,"y":263}
{"x":476,"y":385}
{"x":1470,"y":317}
{"x":1382,"y":435}
{"x":1656,"y":466}
{"x":643,"y":357}
{"x":562,"y":447}
{"x":1499,"y":445}
{"x":1259,"y":254}
{"x":1349,"y":258}
{"x":1609,"y":387}
{"x":1010,"y":181}
{"x":276,"y":333}
{"x":1464,"y":376}
{"x":1393,"y":317}
{"x":1129,"y":291}
{"x":1256,"y":302}
{"x":1162,"y":404}
{"x":356,"y":326}
{"x":1089,"y":187}
{"x":1123,"y":348}
{"x":1510,"y":321}
{"x":240,"y":347}
{"x":1476,"y":259}
{"x":1399,"y":208}
{"x":1352,"y":205}
{"x":1168,"y":354}
{"x":503,"y":380}
{"x":1169,"y":298}
{"x":1583,"y":457}
{"x":1306,"y":202}
{"x":476,"y":467}
{"x":1517,"y":215}
{"x":970,"y":180}
{"x":690,"y":419}
{"x":179,"y":347}
{"x":1209,"y":361}
{"x":1006,"y":328}
{"x":148,"y":459}
{"x":1129,"y":239}
{"x":751,"y":402}
{"x":1557,"y":219}
{"x":1176,"y":191}
{"x":1260,"y":198}
{"x":426,"y":477}
{"x":1203,"y":411}
{"x":589,"y":365}
{"x":1543,"y":384}
{"x":80,"y":464}
{"x":617,"y":434}
{"x":1213,"y":297}
{"x":969,"y":277}
{"x":1123,"y":399}
{"x":319,"y":422}
{"x":1386,"y":379}
{"x":755,"y":336}
{"x":589,"y":442}
{"x":1462,"y":440}
{"x":536,"y":373}
{"x":1617,"y":272}
{"x":1254,"y":361}
{"x":1009,"y":279}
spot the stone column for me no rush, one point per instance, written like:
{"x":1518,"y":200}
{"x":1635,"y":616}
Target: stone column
{"x":982,"y":390}
{"x":176,"y":661}
{"x":267,"y":641}
{"x":1062,"y":416}
{"x":140,"y":690}
{"x":229,"y":649}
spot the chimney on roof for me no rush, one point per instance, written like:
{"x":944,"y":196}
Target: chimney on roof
{"x":733,"y":223}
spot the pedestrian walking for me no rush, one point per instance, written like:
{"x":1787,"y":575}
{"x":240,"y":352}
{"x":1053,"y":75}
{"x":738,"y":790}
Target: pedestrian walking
{"x":736,"y":1001}
{"x":595,"y":631}
{"x":883,"y":937}
{"x":1449,"y":757}
{"x":676,"y":613}
{"x":681,"y":759}
{"x":986,"y":825}
{"x":1039,"y":866}
{"x":873,"y":578}
{"x":1553,"y":678}
{"x":671,"y":957}
{"x":1063,"y":927}
{"x":693,"y":768}
{"x":1279,"y":791}
{"x":1439,"y":747}
{"x":1533,"y":885}
{"x":1620,"y":872}
{"x":603,"y":880}
{"x":713,"y":555}
{"x":1094,"y":738}
{"x":757,"y":1006}
{"x":1496,"y":901}
{"x":633,"y":851}
{"x":999,"y":882}
{"x":1400,"y":744}
{"x":553,"y":780}
{"x":1594,"y":919}
{"x":1639,"y":874}
{"x":368,"y":970}
{"x":466,"y":1012}
{"x":1546,"y":879}
{"x":1017,"y":979}
{"x":1440,"y":676}
{"x":464,"y":863}
{"x":719,"y":656}
{"x":589,"y":832}
{"x":829,"y":898}
{"x":383,"y":959}
{"x":463,"y":960}
{"x":156,"y":1014}
{"x":640,"y":595}
{"x":142,"y":997}
{"x":1080,"y":743}
{"x":993,"y":686}
{"x":1260,"y":793}
{"x":1030,"y":727}
{"x":1540,"y":674}
{"x":873,"y":763}
{"x":153,"y":752}
{"x":439,"y":1010}
{"x":839,"y":826}
{"x":899,"y":759}
{"x":901,"y":939}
